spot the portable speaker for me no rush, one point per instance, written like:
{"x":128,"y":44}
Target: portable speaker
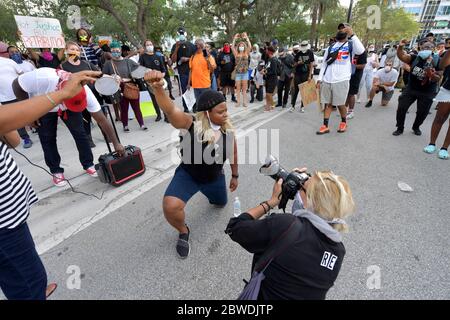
{"x":116,"y":170}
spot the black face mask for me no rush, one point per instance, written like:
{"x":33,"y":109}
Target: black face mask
{"x":341,"y":36}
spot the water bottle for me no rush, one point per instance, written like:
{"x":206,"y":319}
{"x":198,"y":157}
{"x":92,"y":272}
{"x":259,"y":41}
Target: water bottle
{"x":237,"y":207}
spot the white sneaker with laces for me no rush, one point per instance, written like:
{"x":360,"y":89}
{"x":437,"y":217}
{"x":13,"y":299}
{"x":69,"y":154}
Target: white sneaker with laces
{"x":350,"y":115}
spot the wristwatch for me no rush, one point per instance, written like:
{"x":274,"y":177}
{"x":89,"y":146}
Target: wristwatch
{"x":235,"y":176}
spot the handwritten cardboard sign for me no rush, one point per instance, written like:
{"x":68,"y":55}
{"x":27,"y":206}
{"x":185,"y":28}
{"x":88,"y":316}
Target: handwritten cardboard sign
{"x":39,"y":32}
{"x":308,"y":92}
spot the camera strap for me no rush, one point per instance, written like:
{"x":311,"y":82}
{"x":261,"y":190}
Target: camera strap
{"x":278,"y":246}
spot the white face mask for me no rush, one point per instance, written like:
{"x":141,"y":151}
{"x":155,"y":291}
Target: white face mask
{"x":215,"y":127}
{"x":149,"y":48}
{"x":241,"y":49}
{"x":387,"y":69}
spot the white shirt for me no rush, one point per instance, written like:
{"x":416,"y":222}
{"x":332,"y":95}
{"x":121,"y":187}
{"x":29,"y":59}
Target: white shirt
{"x":26,"y":66}
{"x":371,"y":62}
{"x":255,"y":57}
{"x":341,"y":69}
{"x":391,"y":76}
{"x":45,"y":80}
{"x":9,"y":71}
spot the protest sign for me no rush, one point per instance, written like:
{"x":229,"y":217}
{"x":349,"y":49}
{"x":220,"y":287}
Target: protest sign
{"x":37,"y":32}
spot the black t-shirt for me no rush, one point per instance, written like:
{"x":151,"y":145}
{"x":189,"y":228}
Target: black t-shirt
{"x":186,"y":49}
{"x":229,"y":62}
{"x":299,"y":272}
{"x":153,"y":62}
{"x":272,"y":67}
{"x":417,"y":77}
{"x":83,"y":66}
{"x":54,"y":63}
{"x":357,"y":75}
{"x":307,"y":57}
{"x":203,"y":161}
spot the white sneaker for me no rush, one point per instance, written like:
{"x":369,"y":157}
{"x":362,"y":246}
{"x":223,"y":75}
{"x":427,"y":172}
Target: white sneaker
{"x":350,"y":115}
{"x":359,"y":101}
{"x":292,"y":109}
{"x":92,"y":172}
{"x":302,"y":110}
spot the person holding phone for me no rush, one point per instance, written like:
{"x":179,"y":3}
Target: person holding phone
{"x":201,"y":65}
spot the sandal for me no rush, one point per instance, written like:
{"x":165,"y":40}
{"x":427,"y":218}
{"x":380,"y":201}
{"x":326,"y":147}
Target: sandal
{"x":50,"y":289}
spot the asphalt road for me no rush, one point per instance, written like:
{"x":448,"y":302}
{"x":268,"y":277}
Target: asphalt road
{"x":130,"y":254}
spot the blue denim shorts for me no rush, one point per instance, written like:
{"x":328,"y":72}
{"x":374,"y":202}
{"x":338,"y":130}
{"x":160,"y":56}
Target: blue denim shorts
{"x":242,"y":76}
{"x":184,"y":187}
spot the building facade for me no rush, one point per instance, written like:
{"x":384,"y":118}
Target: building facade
{"x":434,"y":16}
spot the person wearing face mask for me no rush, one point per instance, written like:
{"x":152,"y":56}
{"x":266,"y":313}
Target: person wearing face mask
{"x":207,"y":140}
{"x":16,"y":56}
{"x":284,"y":83}
{"x":180,"y":54}
{"x":241,"y":52}
{"x":201,"y":65}
{"x":384,"y":81}
{"x":304,"y":69}
{"x":335,"y":74}
{"x":422,"y":86}
{"x":155,"y":62}
{"x":226,"y":64}
{"x":74,"y":64}
{"x":369,"y":70}
{"x":46,"y":59}
{"x":121,"y":69}
{"x":89,"y":51}
{"x":255,"y":57}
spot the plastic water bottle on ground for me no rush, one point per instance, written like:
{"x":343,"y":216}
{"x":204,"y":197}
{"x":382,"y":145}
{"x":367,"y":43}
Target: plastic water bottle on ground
{"x":237,"y":207}
{"x":404,"y":187}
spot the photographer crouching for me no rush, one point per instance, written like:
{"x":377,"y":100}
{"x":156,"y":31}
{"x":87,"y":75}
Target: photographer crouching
{"x":296,"y":256}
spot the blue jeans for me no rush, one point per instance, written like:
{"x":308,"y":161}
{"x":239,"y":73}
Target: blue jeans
{"x":47,"y":135}
{"x":213,"y":82}
{"x":22,"y":274}
{"x":184,"y":80}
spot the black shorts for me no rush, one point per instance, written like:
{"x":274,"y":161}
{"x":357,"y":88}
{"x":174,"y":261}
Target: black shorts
{"x":225,"y":80}
{"x":271,"y":85}
{"x":355,"y":80}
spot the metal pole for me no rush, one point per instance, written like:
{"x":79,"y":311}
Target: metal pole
{"x":349,"y":14}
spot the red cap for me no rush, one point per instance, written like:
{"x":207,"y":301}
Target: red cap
{"x":77,"y":103}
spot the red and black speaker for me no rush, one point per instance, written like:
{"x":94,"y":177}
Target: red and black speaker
{"x":117,"y":170}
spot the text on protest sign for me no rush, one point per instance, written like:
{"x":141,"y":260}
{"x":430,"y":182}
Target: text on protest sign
{"x":39,"y":32}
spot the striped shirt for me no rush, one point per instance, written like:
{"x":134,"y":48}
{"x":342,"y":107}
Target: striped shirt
{"x":16,"y":193}
{"x":89,"y":53}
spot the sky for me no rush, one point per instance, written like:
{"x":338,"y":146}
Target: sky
{"x":345,"y":3}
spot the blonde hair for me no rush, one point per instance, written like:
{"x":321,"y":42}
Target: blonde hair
{"x":329,"y":196}
{"x":71,"y":43}
{"x":203,"y":129}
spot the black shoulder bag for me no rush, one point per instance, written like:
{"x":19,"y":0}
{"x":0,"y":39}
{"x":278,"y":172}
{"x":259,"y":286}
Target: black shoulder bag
{"x":251,"y":290}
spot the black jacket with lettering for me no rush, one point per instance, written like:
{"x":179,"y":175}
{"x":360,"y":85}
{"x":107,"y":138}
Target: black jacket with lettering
{"x":306,"y":270}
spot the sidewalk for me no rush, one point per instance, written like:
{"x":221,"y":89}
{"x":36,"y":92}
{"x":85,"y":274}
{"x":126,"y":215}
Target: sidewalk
{"x":61,"y":213}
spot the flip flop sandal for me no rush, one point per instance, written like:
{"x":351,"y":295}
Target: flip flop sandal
{"x":50,"y":289}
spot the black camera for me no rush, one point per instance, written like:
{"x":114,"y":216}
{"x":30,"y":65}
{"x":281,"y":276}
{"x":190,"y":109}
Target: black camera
{"x":292,"y":181}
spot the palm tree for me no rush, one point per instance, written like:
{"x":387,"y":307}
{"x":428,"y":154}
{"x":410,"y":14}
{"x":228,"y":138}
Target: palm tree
{"x":318,"y":9}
